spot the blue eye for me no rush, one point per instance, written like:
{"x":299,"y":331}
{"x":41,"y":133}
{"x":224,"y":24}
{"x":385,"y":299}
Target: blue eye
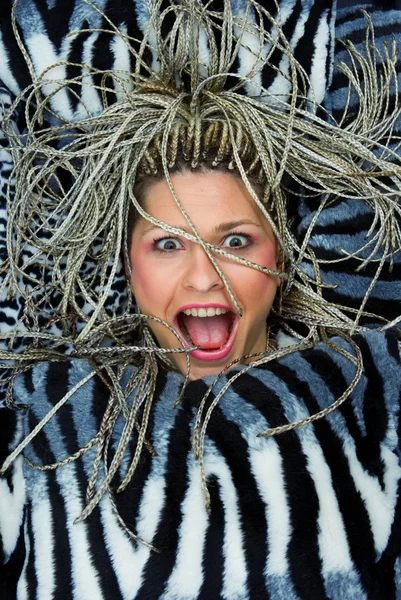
{"x":236,"y":240}
{"x":168,"y":244}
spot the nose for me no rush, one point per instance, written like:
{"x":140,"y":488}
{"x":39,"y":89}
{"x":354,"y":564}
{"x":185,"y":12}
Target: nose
{"x":200,"y":274}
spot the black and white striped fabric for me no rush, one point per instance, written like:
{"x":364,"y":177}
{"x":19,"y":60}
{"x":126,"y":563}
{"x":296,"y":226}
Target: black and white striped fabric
{"x":311,"y":514}
{"x":342,"y":228}
{"x":44,"y":24}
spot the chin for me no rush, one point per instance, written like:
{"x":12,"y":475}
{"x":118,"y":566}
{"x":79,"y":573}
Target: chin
{"x":198,"y":371}
{"x":202,"y":368}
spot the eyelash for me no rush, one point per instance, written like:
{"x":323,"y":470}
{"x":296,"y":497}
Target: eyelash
{"x":160,"y":239}
{"x":233,"y":233}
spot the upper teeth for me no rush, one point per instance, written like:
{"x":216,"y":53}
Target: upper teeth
{"x":205,"y":312}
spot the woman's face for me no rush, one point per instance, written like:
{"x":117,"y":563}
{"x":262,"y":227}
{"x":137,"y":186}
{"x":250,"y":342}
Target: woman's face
{"x":174,"y":280}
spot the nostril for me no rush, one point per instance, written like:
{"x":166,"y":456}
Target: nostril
{"x":203,"y":281}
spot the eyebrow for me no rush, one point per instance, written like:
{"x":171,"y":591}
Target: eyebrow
{"x":221,"y":228}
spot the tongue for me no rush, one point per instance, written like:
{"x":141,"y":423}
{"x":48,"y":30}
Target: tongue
{"x":208,"y":332}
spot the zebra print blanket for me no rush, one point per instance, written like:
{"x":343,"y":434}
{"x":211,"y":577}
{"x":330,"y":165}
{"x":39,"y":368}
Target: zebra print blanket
{"x":311,"y":514}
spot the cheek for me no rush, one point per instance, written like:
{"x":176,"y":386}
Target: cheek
{"x":265,"y":286}
{"x":153,"y":286}
{"x":152,"y":281}
{"x":256,"y":290}
{"x":265,"y":256}
{"x":144,"y":286}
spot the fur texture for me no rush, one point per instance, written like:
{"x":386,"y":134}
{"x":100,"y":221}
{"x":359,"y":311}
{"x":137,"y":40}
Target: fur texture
{"x":313,"y":513}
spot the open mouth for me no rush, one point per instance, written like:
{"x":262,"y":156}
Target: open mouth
{"x":212,"y":328}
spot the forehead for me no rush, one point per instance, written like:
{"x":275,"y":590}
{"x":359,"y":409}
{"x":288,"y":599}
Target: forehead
{"x":207,"y":198}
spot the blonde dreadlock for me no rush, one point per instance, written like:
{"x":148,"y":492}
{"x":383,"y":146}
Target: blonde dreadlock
{"x":184,"y":110}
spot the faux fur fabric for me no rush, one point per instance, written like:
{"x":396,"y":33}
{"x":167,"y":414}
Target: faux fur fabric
{"x":44,"y":24}
{"x":310,"y":514}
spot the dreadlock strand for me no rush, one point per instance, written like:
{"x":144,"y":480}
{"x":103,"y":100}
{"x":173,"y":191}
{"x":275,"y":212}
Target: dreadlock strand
{"x":161,"y":125}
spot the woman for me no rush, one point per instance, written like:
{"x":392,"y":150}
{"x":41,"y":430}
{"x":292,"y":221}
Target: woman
{"x":194,"y":300}
{"x":188,"y":493}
